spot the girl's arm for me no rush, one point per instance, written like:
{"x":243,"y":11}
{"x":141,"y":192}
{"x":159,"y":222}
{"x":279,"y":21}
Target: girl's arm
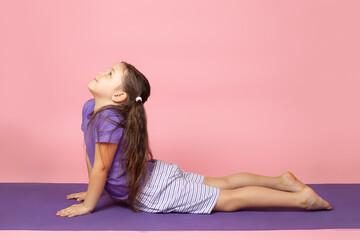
{"x":98,"y":175}
{"x":89,"y":167}
{"x":88,"y":164}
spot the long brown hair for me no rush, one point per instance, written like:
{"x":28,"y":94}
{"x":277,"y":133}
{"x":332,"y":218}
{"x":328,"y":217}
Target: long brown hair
{"x":135,"y":142}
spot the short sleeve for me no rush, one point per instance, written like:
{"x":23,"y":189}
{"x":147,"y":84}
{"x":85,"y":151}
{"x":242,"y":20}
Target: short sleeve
{"x":107,"y":124}
{"x":83,"y":118}
{"x":85,"y":111}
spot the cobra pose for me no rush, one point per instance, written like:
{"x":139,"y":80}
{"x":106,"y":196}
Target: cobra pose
{"x":119,"y":160}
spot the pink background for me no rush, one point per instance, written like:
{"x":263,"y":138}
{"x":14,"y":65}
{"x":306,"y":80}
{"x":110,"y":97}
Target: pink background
{"x":237,"y":86}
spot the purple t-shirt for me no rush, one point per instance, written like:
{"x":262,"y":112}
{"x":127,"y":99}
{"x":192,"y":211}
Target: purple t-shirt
{"x":116,"y":179}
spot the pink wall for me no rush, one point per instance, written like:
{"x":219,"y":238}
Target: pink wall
{"x":237,"y":86}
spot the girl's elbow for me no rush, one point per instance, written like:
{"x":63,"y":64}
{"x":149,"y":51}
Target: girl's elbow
{"x":100,"y":169}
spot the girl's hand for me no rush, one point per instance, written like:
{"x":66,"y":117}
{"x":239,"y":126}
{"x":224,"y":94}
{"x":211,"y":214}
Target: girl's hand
{"x":80,"y":196}
{"x":74,"y":210}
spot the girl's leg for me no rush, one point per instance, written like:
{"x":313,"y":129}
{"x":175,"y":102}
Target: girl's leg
{"x":285,"y":182}
{"x":253,"y":196}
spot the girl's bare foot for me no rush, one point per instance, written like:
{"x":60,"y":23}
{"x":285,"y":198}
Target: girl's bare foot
{"x":291,"y":183}
{"x":312,"y":201}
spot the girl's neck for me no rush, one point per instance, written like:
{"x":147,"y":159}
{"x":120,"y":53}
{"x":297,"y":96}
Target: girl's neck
{"x":100,"y":103}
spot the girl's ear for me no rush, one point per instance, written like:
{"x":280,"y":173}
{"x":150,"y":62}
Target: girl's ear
{"x":119,"y":97}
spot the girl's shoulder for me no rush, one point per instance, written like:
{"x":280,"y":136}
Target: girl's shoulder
{"x":88,"y":104}
{"x":108,"y":112}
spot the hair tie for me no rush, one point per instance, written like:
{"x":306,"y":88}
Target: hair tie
{"x":138,"y":99}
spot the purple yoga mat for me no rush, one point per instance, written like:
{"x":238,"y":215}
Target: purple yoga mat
{"x":33,"y":206}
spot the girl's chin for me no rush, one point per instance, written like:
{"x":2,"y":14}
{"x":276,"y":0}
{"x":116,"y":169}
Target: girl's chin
{"x":91,"y":89}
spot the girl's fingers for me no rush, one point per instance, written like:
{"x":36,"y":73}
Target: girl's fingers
{"x":64,"y":214}
{"x":72,"y":211}
{"x":79,"y":195}
{"x":66,"y":210}
{"x":72,"y":195}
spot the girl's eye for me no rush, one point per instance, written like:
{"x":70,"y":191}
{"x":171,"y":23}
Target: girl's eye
{"x":110,"y":73}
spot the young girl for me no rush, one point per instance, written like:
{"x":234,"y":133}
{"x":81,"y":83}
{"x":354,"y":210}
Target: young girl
{"x":120,"y":161}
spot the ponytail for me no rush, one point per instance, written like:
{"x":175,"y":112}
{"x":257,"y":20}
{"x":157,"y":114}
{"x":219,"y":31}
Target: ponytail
{"x":137,"y":150}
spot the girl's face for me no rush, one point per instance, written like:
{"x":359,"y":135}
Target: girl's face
{"x":106,"y":86}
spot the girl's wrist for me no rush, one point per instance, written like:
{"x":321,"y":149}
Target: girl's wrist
{"x":86,"y":207}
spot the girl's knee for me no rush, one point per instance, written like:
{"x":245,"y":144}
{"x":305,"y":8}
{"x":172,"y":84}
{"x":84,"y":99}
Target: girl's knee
{"x":226,"y":201}
{"x":219,"y":182}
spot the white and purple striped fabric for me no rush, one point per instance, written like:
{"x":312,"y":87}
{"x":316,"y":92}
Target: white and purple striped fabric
{"x":170,"y":189}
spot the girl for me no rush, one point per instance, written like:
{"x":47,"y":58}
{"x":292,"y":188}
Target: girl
{"x":120,"y":161}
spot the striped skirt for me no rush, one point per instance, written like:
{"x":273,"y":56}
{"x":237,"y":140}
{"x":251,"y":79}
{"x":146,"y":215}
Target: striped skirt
{"x":170,"y":189}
